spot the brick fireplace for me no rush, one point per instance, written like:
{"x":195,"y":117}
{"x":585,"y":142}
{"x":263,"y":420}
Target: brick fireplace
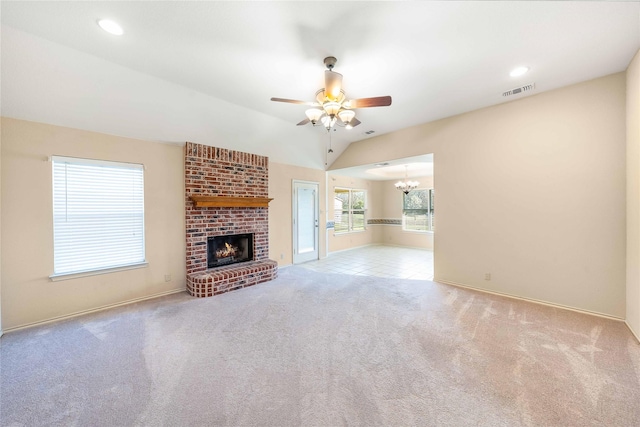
{"x":225,"y":194}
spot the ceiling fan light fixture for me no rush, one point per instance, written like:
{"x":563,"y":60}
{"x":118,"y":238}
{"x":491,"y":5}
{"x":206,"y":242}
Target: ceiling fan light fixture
{"x":331,"y":108}
{"x":322,"y":97}
{"x":346,"y":115}
{"x":332,"y":85}
{"x":328,"y":122}
{"x":314,"y":114}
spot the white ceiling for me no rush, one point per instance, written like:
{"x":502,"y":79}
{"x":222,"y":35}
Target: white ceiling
{"x":205,"y":71}
{"x":410,"y":167}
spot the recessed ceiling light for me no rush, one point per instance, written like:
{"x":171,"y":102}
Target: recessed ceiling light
{"x":518,"y":71}
{"x":111,"y":27}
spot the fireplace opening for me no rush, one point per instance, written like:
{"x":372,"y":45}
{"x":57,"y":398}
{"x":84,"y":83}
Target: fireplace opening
{"x":225,"y":250}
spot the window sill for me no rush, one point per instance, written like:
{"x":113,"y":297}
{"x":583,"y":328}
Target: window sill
{"x":418,"y":231}
{"x":69,"y":276}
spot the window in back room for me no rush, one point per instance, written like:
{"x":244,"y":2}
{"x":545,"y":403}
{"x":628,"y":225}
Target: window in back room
{"x":418,"y":210}
{"x":350,"y":206}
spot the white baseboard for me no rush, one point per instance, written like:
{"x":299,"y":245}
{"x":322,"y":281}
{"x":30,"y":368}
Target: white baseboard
{"x":355,"y":247}
{"x":404,"y":246}
{"x":535,"y":301}
{"x":637,"y":336}
{"x":379,"y":244}
{"x":94,"y":310}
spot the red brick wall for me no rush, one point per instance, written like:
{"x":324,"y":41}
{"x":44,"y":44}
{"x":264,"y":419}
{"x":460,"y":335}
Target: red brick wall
{"x":221,"y":172}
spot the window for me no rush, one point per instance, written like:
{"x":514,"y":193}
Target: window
{"x":417,"y":210}
{"x":98,"y":215}
{"x":349,"y":208}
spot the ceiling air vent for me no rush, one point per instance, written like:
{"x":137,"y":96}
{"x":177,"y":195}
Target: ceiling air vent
{"x":369,"y":132}
{"x":521,"y":89}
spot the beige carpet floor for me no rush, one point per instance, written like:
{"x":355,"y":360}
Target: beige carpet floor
{"x":314,"y":349}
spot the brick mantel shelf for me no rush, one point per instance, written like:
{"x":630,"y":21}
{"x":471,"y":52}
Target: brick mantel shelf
{"x":229,"y":202}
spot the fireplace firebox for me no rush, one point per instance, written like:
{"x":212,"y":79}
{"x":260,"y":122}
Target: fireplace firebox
{"x":231,"y":249}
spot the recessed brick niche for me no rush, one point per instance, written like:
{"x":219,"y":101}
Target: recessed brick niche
{"x":211,"y":171}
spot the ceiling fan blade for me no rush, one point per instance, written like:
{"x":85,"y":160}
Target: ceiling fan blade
{"x":354,"y":122}
{"x":378,"y":101}
{"x":304,"y":122}
{"x":294,"y":101}
{"x":332,"y":85}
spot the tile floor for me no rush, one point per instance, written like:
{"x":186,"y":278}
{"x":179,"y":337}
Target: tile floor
{"x":378,"y":260}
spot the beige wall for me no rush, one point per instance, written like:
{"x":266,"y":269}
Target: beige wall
{"x":1,"y":330}
{"x":531,"y":191}
{"x":633,"y":195}
{"x":343,"y":241}
{"x":27,"y":226}
{"x":281,"y":178}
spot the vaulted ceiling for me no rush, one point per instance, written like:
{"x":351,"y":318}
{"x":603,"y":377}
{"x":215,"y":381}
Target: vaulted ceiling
{"x":205,"y":71}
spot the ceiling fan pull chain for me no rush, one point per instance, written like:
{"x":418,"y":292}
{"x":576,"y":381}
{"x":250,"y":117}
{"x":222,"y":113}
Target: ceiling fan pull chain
{"x":326,"y":157}
{"x":330,"y":149}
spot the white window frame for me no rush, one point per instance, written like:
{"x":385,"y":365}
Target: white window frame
{"x":430,"y":215}
{"x":98,"y":210}
{"x":350,"y":211}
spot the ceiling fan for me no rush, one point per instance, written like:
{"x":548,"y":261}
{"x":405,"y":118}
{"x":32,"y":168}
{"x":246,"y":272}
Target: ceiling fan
{"x":331,"y":106}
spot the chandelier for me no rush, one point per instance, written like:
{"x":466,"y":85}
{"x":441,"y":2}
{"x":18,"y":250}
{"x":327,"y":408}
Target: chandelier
{"x":406,"y":185}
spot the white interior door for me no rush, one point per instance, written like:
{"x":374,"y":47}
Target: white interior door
{"x":305,"y":221}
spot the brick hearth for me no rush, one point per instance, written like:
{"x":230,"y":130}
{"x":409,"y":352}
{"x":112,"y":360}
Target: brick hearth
{"x":211,"y":171}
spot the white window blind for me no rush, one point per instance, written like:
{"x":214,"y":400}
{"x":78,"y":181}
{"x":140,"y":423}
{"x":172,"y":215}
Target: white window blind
{"x":98,"y":215}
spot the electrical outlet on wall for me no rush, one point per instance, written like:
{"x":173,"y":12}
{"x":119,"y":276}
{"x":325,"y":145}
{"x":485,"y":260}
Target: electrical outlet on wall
{"x":487,"y":276}
{"x":167,"y":277}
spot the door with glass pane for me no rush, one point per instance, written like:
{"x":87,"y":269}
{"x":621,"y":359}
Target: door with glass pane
{"x":305,"y":221}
